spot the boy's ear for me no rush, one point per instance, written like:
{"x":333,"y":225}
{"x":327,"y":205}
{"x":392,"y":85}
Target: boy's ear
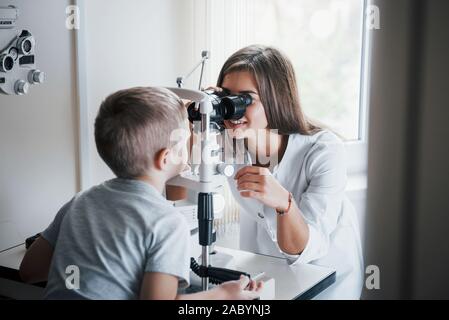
{"x":161,"y":159}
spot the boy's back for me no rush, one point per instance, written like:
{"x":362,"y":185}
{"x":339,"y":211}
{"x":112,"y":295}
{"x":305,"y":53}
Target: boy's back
{"x":114,"y":233}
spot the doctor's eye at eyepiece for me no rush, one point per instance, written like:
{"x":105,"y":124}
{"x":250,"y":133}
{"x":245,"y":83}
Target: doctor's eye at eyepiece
{"x":226,"y":106}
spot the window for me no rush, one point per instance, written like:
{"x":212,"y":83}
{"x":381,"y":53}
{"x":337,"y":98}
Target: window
{"x":323,"y":39}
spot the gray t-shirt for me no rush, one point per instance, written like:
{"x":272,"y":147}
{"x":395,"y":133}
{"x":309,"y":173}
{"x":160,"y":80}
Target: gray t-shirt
{"x":113,"y":233}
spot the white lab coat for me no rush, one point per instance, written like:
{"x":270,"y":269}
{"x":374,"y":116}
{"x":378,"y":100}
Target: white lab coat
{"x":313,"y":170}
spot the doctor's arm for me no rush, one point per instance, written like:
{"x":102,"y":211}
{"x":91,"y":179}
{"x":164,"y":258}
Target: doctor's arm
{"x":258,"y":183}
{"x":305,"y":229}
{"x":292,"y":230}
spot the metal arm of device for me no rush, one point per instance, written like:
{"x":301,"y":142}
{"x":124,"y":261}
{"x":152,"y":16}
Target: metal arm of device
{"x":204,"y":56}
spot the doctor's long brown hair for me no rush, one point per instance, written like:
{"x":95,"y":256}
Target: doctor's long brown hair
{"x":277,"y":87}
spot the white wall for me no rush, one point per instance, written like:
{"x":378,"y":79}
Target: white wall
{"x":127,"y":43}
{"x":38,"y":148}
{"x":133,"y":43}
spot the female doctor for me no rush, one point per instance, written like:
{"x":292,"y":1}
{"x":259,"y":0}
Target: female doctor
{"x":293,"y":203}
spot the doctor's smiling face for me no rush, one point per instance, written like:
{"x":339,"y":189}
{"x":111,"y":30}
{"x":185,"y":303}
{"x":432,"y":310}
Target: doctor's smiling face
{"x":239,"y":82}
{"x":268,"y":76}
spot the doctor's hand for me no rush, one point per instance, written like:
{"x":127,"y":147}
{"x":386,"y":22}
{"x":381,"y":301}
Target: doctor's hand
{"x":215,"y":89}
{"x":258,"y":183}
{"x":243,"y":289}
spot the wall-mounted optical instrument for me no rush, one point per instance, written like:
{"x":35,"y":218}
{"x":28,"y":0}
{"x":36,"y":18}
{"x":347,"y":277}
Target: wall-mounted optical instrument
{"x":17,"y":55}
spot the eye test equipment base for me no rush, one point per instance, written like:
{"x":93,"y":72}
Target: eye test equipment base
{"x":207,"y":112}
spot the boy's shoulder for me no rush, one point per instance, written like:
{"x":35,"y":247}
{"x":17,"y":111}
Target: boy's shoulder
{"x":140,"y":207}
{"x":126,"y":193}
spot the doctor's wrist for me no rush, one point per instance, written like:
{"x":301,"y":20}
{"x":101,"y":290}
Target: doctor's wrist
{"x":285,"y":203}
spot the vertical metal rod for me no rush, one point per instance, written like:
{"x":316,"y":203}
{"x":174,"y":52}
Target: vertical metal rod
{"x":205,"y":126}
{"x":205,"y":176}
{"x":201,"y":74}
{"x":205,"y":262}
{"x":205,"y":165}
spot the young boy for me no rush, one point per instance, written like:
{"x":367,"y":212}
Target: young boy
{"x":122,"y":239}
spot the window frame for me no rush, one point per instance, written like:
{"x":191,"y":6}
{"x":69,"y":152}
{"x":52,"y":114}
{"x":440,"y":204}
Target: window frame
{"x":357,"y":150}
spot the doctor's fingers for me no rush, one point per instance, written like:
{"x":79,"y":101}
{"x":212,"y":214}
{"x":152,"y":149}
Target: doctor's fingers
{"x":252,"y":170}
{"x":251,"y":178}
{"x":252,"y":285}
{"x":256,"y":286}
{"x":250,"y":186}
{"x":216,"y":89}
{"x":244,"y":281}
{"x":251,"y":194}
